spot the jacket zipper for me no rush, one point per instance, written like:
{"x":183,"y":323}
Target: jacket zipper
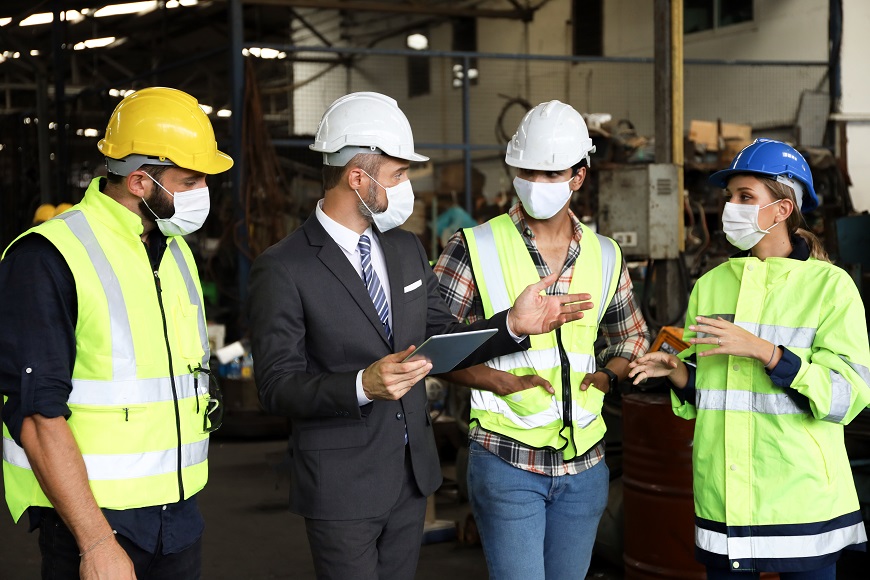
{"x":172,"y":382}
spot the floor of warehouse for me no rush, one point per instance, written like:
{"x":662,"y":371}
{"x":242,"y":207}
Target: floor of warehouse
{"x":250,"y":533}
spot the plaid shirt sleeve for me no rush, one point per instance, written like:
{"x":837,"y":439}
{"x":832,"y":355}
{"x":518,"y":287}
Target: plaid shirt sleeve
{"x":623,"y":326}
{"x":456,"y":281}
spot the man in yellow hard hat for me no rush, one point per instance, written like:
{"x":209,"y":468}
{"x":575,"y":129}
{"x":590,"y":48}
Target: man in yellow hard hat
{"x":44,"y":213}
{"x":104,"y":354}
{"x":62,"y":207}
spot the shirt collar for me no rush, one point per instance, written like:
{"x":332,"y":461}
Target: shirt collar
{"x":346,"y":238}
{"x":519,"y":220}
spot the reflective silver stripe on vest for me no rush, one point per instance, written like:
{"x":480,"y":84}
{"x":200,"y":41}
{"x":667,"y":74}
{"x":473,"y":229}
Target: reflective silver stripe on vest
{"x":132,"y":465}
{"x":608,"y":263}
{"x":795,"y":337}
{"x":841,"y":397}
{"x":542,"y":359}
{"x":491,"y":264}
{"x":746,"y":401}
{"x":487,"y":401}
{"x":131,"y":392}
{"x":780,"y":546}
{"x":193,"y":294}
{"x":862,"y":371}
{"x":123,"y":353}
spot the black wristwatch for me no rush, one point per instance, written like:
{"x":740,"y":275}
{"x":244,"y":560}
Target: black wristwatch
{"x":614,"y":380}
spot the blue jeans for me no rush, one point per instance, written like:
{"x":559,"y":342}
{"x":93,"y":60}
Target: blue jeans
{"x":827,"y":573}
{"x":534,"y":526}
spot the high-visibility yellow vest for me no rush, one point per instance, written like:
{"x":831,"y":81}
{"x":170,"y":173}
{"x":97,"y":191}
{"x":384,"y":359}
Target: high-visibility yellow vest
{"x":569,"y":421}
{"x":772,"y":481}
{"x":137,"y":408}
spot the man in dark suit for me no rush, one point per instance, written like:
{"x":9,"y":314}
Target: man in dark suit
{"x":334,"y":309}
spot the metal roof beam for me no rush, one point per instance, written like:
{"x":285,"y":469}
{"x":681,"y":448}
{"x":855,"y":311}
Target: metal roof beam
{"x":447,"y":10}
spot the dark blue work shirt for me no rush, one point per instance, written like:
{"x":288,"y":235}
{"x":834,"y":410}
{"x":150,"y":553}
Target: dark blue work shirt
{"x":38,"y":310}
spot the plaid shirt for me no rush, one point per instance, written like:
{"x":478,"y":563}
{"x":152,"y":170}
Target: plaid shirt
{"x":623,"y":328}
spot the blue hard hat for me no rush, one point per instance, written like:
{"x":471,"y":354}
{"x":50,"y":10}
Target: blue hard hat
{"x":772,"y":159}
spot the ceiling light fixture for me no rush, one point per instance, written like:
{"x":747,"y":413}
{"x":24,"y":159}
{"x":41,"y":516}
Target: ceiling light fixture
{"x":224,"y":113}
{"x":131,"y":8}
{"x":72,"y":16}
{"x":206,"y":109}
{"x":95,"y":43}
{"x":417,"y":41}
{"x":37,"y":19}
{"x":5,"y":21}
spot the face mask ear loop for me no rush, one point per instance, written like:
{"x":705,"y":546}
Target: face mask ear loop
{"x":775,"y":223}
{"x":157,"y":183}
{"x":356,"y":191}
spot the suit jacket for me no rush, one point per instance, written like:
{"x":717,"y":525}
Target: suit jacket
{"x":313,"y":328}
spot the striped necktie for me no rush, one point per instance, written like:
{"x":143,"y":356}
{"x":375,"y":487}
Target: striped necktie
{"x":373,"y":284}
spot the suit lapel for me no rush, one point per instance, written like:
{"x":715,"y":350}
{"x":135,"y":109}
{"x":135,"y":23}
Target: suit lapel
{"x":336,"y":262}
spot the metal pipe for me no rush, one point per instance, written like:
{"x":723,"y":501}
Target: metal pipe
{"x":466,"y":129}
{"x":237,"y":99}
{"x":58,"y":32}
{"x":42,"y":140}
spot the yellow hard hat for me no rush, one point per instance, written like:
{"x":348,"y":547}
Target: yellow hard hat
{"x":43,"y":213}
{"x":62,"y":207}
{"x":161,"y":126}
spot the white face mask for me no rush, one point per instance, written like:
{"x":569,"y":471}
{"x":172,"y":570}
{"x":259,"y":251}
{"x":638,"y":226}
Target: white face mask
{"x":542,"y":200}
{"x":740,"y":224}
{"x":400,"y":205}
{"x":191,"y":209}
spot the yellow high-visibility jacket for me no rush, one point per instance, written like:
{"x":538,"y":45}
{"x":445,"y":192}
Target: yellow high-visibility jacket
{"x":772,"y":482}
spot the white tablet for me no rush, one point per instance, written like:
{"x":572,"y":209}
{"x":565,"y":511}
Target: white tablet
{"x":445,"y":351}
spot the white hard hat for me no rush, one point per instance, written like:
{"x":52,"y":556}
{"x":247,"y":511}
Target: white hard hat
{"x":551,"y":137}
{"x":364,"y":123}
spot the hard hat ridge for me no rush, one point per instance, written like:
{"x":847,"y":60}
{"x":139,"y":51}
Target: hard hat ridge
{"x":774,"y":160}
{"x":551,"y":137}
{"x":161,"y":126}
{"x":364,"y":122}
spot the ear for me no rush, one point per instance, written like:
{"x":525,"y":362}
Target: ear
{"x":577,"y":180}
{"x":137,"y":183}
{"x":354,"y":177}
{"x":786,"y":206}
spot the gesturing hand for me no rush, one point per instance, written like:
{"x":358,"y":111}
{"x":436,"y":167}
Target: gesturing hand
{"x":389,"y":378}
{"x":535,"y":313}
{"x":652,"y":364}
{"x":728,"y":338}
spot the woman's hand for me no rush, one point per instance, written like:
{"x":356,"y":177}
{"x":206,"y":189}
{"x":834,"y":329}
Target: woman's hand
{"x":658,"y":364}
{"x":730,"y":339}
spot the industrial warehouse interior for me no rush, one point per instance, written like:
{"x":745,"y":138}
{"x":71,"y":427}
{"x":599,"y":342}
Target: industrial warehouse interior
{"x":670,"y":92}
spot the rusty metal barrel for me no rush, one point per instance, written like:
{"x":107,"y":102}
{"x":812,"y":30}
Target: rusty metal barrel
{"x":657,"y":480}
{"x":657,"y":486}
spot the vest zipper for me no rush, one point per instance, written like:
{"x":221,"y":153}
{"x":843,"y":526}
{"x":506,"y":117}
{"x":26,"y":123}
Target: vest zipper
{"x":172,"y":382}
{"x":567,"y":419}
